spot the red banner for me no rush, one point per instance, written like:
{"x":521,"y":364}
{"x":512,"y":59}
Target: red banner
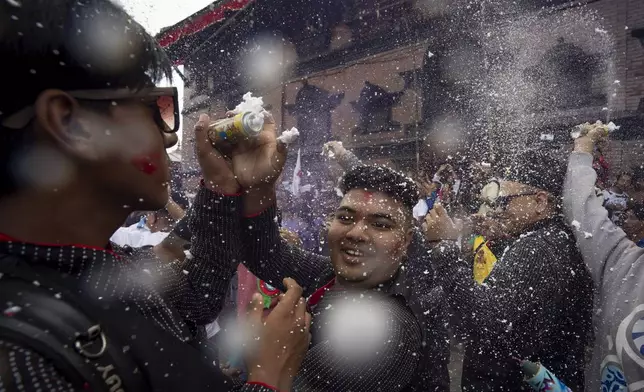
{"x":200,"y":22}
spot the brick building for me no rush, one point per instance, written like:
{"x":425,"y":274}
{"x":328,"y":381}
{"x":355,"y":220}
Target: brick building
{"x":412,"y":82}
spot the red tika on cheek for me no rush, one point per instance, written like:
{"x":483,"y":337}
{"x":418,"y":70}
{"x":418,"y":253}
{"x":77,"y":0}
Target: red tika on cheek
{"x":148,"y":164}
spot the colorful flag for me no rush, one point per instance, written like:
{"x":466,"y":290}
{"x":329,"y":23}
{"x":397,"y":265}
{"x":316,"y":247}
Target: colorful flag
{"x":297,"y":176}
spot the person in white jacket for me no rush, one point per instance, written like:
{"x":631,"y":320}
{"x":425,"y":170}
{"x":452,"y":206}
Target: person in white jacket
{"x":617,"y":267}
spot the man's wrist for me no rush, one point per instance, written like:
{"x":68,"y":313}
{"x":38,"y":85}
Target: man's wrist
{"x":225,"y":187}
{"x":584,"y":144}
{"x":258,"y":199}
{"x":262,"y":377}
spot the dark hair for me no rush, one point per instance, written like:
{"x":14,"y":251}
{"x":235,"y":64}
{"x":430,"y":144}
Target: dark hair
{"x":382,"y":179}
{"x":539,"y":168}
{"x":71,"y":45}
{"x":68,"y":45}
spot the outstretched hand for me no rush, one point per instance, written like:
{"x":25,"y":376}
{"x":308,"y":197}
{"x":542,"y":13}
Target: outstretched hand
{"x":591,"y":137}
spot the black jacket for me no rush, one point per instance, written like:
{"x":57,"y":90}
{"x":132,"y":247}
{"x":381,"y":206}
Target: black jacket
{"x":536,"y":304}
{"x":415,"y":357}
{"x":139,"y":299}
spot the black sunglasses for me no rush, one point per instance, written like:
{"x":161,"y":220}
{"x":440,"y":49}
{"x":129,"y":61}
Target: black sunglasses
{"x":165,"y":101}
{"x":491,"y":195}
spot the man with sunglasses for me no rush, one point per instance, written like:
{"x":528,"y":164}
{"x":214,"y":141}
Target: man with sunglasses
{"x":536,"y":302}
{"x":83,"y":132}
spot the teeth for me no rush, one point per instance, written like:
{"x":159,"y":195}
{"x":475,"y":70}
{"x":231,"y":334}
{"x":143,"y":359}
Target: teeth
{"x":352,"y":252}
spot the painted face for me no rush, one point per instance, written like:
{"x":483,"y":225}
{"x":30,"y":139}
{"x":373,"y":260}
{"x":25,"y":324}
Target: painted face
{"x":368,"y":238}
{"x":133,"y":165}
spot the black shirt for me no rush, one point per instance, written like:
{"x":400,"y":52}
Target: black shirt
{"x":272,"y":259}
{"x":178,"y":298}
{"x":536,"y":304}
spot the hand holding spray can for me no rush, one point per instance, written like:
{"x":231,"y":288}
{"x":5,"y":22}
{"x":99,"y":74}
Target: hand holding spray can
{"x":233,"y":129}
{"x":541,"y":379}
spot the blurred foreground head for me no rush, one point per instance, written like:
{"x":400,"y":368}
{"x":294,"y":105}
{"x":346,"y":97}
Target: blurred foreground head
{"x":528,"y":192}
{"x":372,"y":227}
{"x":79,"y":106}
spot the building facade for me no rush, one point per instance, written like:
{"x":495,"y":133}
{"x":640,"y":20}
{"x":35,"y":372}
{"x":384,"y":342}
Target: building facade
{"x":413,"y":83}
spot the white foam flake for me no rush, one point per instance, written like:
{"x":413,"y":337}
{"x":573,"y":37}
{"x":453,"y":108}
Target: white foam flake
{"x":14,"y":3}
{"x":249,"y":104}
{"x":588,"y":235}
{"x":356,"y":327}
{"x":12,"y":310}
{"x":44,"y":167}
{"x":575,"y":224}
{"x":601,"y":31}
{"x":289,"y":136}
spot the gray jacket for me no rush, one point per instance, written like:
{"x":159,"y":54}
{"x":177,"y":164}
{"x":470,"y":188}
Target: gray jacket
{"x":617,"y":267}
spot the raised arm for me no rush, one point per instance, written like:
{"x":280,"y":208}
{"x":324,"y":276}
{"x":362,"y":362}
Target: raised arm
{"x":214,"y":254}
{"x":271,"y":259}
{"x":345,"y":158}
{"x":609,"y":255}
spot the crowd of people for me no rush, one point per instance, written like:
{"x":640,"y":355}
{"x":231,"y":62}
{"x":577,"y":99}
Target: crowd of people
{"x":110,"y":285}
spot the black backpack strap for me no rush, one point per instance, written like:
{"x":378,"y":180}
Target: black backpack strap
{"x":46,"y":316}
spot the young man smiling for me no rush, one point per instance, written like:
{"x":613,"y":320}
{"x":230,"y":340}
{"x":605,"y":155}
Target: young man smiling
{"x":362,"y":290}
{"x":370,"y":329}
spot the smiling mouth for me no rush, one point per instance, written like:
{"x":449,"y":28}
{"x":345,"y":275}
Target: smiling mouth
{"x":353,"y":252}
{"x":353,"y":256}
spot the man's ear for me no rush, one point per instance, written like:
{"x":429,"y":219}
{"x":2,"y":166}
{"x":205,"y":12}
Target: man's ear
{"x":542,"y":202}
{"x":409,"y":235}
{"x":59,"y":116}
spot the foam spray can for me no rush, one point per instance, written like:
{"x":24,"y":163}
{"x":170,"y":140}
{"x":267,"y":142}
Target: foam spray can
{"x":232,"y":129}
{"x":542,"y":379}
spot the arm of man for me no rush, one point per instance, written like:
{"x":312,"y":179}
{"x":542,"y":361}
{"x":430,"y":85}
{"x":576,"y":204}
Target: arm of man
{"x":175,"y":210}
{"x":348,"y":160}
{"x":174,"y":245}
{"x":609,"y":255}
{"x":197,"y":287}
{"x":272,"y":259}
{"x":389,"y":368}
